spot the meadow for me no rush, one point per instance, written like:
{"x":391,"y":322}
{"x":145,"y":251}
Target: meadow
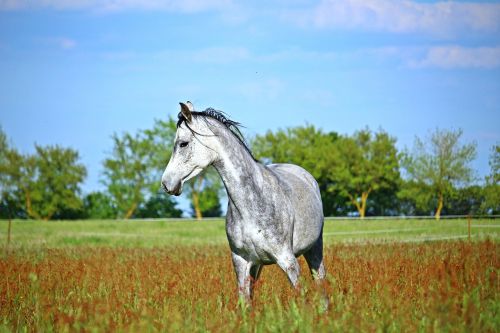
{"x":383,"y":275}
{"x":186,"y":232}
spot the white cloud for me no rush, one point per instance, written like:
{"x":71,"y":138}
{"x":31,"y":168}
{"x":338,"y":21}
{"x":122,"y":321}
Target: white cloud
{"x":443,"y":56}
{"x":450,"y":57}
{"x":441,"y":18}
{"x":117,"y":5}
{"x":415,"y":57}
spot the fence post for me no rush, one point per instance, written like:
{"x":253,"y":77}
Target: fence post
{"x":9,"y":228}
{"x":8,"y":231}
{"x":468,"y":224}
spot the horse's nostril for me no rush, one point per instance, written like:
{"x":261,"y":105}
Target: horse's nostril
{"x":177,"y":190}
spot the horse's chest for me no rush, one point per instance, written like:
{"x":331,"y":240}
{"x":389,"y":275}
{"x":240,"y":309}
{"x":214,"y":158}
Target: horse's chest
{"x":254,"y":242}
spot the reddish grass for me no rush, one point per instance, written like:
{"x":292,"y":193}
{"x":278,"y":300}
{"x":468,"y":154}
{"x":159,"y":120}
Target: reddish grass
{"x":430,"y":287}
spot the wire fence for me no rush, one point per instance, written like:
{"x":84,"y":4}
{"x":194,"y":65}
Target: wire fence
{"x":336,"y":218}
{"x":427,"y":217}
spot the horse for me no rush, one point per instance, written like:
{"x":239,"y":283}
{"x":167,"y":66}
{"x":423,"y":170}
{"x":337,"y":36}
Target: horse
{"x":274,"y":212}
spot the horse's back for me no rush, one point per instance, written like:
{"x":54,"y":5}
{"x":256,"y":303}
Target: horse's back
{"x":303,"y":192}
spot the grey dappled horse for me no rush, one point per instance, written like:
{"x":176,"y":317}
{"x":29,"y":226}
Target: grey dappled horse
{"x":275,"y":212}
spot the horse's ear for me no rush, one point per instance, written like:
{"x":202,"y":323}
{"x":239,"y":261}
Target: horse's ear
{"x":186,"y":112}
{"x":190,"y":106}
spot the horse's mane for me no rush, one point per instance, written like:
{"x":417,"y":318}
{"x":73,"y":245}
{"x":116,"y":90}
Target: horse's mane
{"x":231,"y":125}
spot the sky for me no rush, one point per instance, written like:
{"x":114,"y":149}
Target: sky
{"x":73,"y":72}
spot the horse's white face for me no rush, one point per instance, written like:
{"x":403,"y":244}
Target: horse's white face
{"x":190,"y":155}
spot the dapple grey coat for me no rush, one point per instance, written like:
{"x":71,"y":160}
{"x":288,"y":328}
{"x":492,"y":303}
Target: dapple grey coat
{"x":274,"y":212}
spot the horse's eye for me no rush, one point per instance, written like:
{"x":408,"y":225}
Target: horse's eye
{"x":183,"y":144}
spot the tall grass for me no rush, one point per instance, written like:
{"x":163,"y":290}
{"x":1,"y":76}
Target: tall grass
{"x":430,"y":286}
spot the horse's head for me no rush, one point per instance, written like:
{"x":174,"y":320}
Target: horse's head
{"x":191,"y":153}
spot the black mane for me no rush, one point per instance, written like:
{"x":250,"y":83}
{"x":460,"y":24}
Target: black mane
{"x":231,"y":125}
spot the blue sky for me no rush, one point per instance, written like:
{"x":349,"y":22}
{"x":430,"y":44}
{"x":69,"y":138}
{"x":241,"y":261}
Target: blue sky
{"x":75,"y":72}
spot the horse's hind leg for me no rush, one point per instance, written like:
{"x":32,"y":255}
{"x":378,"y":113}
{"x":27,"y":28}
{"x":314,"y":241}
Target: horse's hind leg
{"x":314,"y":258}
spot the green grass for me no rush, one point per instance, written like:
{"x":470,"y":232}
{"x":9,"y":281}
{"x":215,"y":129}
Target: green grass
{"x":55,"y":234}
{"x":408,"y":230}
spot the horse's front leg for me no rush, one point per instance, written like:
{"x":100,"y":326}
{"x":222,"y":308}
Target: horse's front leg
{"x":242,"y":269}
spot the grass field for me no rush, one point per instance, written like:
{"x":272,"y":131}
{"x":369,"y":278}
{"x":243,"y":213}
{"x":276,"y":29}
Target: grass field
{"x":387,"y":275}
{"x":166,"y":233}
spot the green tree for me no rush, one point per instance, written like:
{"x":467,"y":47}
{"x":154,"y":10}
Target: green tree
{"x":128,"y":174}
{"x":205,"y":191}
{"x":158,"y":205}
{"x":59,"y":176}
{"x":9,"y":206}
{"x":437,"y":168}
{"x":4,"y":148}
{"x":491,"y":202}
{"x":98,"y":205}
{"x":309,"y":148}
{"x":210,"y":204}
{"x":384,"y":202}
{"x":368,"y":164}
{"x":47,"y":183}
{"x":133,"y":171}
{"x":414,"y":198}
{"x":465,"y":200}
{"x":306,"y":146}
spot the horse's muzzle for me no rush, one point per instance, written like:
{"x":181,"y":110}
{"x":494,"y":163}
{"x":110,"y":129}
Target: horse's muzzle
{"x":176,"y":190}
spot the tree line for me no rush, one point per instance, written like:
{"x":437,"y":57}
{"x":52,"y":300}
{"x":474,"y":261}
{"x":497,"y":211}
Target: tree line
{"x":364,"y":173}
{"x":360,"y":174}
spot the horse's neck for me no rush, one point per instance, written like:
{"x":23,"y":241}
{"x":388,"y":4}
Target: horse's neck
{"x":242,"y":176}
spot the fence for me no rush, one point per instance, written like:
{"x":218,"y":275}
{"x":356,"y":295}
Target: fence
{"x":331,"y":218}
